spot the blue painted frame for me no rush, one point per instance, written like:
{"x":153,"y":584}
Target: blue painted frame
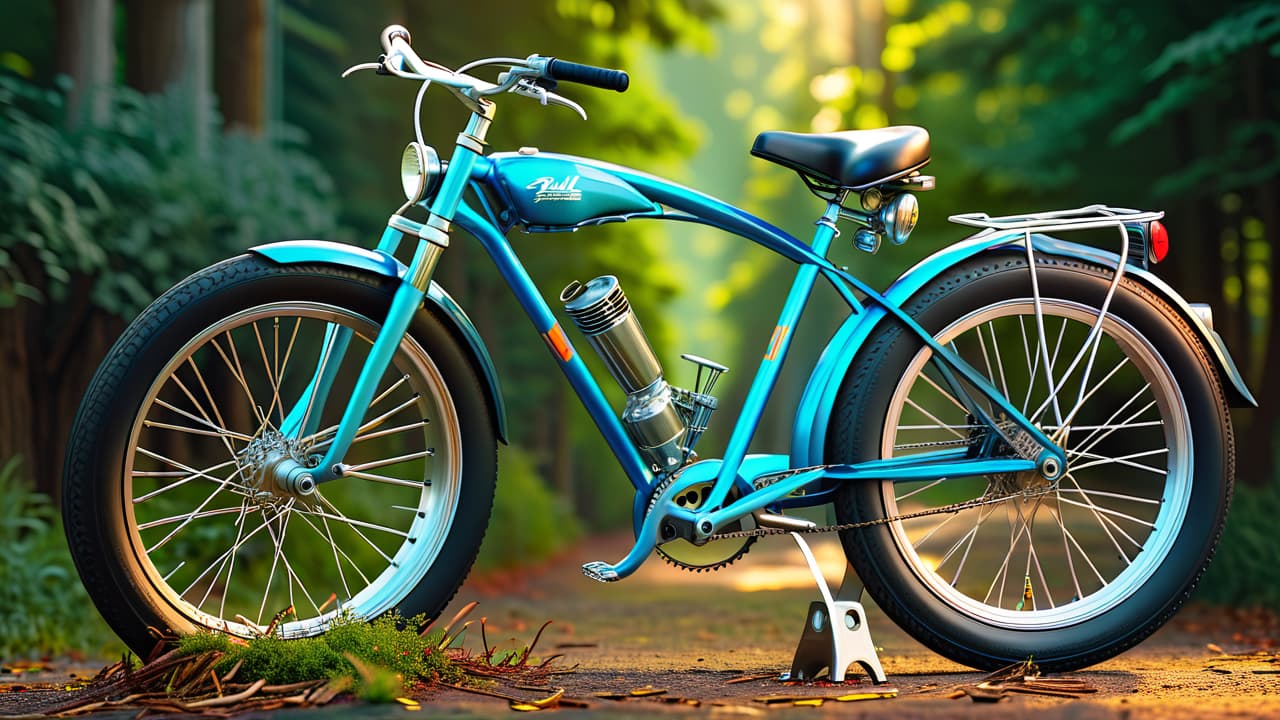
{"x":470,"y":170}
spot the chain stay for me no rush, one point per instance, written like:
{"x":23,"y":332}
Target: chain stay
{"x":954,"y":507}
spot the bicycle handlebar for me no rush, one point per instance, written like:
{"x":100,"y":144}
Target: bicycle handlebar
{"x":401,"y":60}
{"x":603,"y":78}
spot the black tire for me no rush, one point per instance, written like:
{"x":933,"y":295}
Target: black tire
{"x":917,"y":602}
{"x":127,"y":590}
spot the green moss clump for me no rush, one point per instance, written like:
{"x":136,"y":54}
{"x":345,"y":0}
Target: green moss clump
{"x":388,"y":643}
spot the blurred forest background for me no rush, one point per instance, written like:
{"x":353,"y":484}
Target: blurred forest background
{"x":143,"y":139}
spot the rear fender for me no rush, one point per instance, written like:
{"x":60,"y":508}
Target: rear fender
{"x":296,"y":252}
{"x":809,"y":430}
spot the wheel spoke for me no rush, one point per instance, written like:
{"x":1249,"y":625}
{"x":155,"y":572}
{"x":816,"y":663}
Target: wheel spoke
{"x":1126,"y":460}
{"x":194,"y":513}
{"x":193,"y":516}
{"x":283,"y":517}
{"x":934,"y":418}
{"x":272,"y":378}
{"x":197,"y":431}
{"x":355,"y":526}
{"x":393,"y":461}
{"x":995,"y":350}
{"x":313,"y":438}
{"x":1118,"y":496}
{"x":186,"y":475}
{"x":354,"y":523}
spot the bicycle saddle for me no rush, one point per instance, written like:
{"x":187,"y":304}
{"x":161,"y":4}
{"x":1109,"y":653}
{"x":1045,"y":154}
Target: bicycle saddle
{"x":855,"y":159}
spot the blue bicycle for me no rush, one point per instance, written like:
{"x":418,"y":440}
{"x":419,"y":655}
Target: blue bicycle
{"x":1026,"y":441}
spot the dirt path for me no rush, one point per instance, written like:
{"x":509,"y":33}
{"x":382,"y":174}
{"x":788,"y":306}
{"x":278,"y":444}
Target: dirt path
{"x":690,"y":633}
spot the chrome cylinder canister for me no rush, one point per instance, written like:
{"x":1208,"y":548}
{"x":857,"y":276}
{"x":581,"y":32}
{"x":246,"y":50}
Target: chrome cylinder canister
{"x":601,"y":311}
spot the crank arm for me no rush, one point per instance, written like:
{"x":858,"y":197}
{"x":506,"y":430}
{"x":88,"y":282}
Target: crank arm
{"x":646,"y":542}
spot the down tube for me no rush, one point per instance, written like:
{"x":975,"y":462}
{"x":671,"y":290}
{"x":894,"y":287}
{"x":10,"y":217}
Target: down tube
{"x":561,"y":349}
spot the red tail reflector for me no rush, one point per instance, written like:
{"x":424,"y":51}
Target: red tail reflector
{"x":1158,"y":244}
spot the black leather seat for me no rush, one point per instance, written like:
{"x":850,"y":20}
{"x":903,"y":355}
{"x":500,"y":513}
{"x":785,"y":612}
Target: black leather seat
{"x":856,"y":159}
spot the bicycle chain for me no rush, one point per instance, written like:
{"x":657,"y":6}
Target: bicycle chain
{"x":954,"y":507}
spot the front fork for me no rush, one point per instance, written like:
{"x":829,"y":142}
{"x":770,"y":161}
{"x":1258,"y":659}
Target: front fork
{"x":433,"y":237}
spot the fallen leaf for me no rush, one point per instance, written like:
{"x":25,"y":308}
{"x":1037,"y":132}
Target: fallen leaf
{"x":749,"y":678}
{"x":872,"y":695}
{"x":809,"y":702}
{"x":646,"y":691}
{"x":524,"y":707}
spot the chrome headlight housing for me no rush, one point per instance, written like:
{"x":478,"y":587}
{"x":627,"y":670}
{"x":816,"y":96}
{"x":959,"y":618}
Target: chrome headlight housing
{"x":899,"y":217}
{"x":420,"y":171}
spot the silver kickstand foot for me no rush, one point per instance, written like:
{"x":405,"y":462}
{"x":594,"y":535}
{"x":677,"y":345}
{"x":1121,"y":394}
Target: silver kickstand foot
{"x":836,"y":633}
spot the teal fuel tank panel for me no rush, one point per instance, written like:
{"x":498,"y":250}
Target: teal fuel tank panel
{"x":561,"y":193}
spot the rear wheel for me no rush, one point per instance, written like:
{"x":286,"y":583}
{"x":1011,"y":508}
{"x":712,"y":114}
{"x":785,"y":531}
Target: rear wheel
{"x":1068,"y":573}
{"x":172,"y":511}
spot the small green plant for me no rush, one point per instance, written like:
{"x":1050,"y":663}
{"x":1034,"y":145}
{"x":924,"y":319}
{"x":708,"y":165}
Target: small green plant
{"x":386,"y":648}
{"x":43,"y":608}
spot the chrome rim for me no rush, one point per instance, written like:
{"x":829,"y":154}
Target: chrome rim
{"x":1059,"y":553}
{"x":229,"y":549}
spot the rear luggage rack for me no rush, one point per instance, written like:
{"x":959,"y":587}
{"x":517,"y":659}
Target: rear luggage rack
{"x":1085,"y":218}
{"x":1135,"y":227}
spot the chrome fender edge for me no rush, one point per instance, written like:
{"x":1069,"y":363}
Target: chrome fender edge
{"x":809,"y":429}
{"x":294,"y":252}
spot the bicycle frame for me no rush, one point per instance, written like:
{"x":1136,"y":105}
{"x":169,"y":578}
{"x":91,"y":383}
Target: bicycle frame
{"x":470,"y":171}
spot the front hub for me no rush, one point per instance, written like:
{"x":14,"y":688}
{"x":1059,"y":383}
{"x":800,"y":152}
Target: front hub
{"x":276,"y":469}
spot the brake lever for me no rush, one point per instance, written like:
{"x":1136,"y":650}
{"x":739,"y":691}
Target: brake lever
{"x":376,"y":66}
{"x":532,"y":89}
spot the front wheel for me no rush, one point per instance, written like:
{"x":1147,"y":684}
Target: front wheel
{"x":1070,"y":572}
{"x":172,"y":512}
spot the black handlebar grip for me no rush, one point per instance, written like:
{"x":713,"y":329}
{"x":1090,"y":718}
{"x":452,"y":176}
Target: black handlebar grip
{"x":588,"y":75}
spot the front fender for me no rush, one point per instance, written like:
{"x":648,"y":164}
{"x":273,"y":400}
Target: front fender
{"x":809,"y":431}
{"x":295,"y":252}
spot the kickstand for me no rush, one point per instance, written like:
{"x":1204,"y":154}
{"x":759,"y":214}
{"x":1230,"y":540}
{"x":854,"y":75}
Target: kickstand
{"x":836,"y":634}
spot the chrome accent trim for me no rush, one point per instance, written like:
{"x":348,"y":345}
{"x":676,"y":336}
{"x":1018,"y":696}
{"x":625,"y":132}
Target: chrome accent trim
{"x":404,"y":224}
{"x":768,"y":519}
{"x":438,"y":222}
{"x":473,"y":144}
{"x":1204,"y":311}
{"x":431,"y":257}
{"x":434,"y":235}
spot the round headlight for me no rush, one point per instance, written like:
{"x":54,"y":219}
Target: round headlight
{"x":899,"y":217}
{"x":419,"y":168}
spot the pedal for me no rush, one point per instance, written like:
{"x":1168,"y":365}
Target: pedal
{"x":600,"y":571}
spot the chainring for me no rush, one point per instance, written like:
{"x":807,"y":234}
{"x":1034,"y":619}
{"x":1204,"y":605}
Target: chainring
{"x":715,"y":554}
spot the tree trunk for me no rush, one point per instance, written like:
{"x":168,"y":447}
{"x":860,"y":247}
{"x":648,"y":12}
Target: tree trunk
{"x":154,"y":43}
{"x":1258,"y":455}
{"x":167,"y":43}
{"x":87,"y":54}
{"x":240,"y":52}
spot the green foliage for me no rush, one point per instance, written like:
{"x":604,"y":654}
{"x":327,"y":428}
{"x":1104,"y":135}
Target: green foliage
{"x":389,"y":643}
{"x":1244,"y":573}
{"x":529,"y":522}
{"x":377,"y":684}
{"x":43,"y":608}
{"x":125,"y":208}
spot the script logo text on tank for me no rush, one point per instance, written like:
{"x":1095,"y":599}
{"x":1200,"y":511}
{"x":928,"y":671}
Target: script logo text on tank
{"x":548,"y":189}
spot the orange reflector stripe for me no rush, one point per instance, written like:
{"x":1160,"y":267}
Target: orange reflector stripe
{"x":558,"y":343}
{"x":779,"y":334}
